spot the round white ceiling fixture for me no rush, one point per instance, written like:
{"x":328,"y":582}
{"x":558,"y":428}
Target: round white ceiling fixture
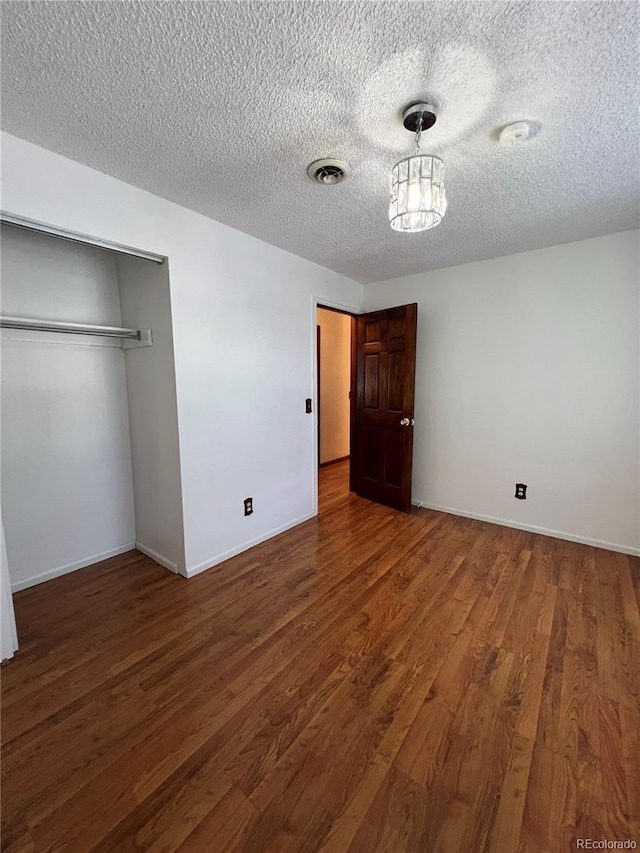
{"x":328,"y":171}
{"x":418,"y":200}
{"x":514,"y":134}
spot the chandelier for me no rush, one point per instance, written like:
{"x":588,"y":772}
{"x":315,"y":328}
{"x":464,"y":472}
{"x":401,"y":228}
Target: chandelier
{"x":418,"y":199}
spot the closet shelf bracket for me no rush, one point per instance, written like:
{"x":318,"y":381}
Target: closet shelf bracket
{"x":145,"y":339}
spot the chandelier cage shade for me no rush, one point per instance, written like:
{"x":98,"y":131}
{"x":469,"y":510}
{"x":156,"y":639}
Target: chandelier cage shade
{"x":418,"y":198}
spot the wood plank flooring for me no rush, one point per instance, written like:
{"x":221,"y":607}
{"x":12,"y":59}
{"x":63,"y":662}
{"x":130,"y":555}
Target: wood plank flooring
{"x":368,"y":682}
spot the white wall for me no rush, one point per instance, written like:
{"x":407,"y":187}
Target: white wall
{"x":244,"y":340}
{"x":67,"y":496}
{"x":527,"y":367}
{"x":151,"y":392}
{"x":8,"y":632}
{"x":335,"y":383}
{"x":527,"y":372}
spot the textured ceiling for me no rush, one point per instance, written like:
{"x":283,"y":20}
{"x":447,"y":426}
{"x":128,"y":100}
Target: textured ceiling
{"x":220,"y":106}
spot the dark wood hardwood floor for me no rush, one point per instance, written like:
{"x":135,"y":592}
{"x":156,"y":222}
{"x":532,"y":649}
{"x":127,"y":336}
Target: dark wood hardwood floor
{"x":368,"y":682}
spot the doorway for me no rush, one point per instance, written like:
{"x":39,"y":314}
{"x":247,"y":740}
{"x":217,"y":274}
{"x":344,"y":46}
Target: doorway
{"x":380,"y":400}
{"x":335,"y":378}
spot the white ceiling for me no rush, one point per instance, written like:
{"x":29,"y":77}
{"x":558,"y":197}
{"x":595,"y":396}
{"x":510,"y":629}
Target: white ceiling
{"x":220,"y":106}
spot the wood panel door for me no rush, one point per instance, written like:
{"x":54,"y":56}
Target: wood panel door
{"x":385,"y":381}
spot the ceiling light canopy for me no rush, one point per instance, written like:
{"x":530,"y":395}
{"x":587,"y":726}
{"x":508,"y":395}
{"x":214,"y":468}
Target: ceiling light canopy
{"x":418,"y":199}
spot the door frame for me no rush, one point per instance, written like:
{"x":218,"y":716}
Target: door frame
{"x":330,"y":305}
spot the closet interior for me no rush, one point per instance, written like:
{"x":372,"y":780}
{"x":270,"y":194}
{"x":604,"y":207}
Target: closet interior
{"x":90,"y":456}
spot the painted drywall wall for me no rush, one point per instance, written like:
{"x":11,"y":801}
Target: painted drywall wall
{"x":244,"y":329}
{"x":151,"y":392}
{"x":335,"y":382}
{"x":527,"y":371}
{"x":8,"y":631}
{"x":67,"y":497}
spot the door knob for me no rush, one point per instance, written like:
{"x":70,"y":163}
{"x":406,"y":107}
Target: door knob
{"x":407,"y":422}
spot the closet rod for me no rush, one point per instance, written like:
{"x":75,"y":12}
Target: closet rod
{"x":33,"y":325}
{"x":76,"y":237}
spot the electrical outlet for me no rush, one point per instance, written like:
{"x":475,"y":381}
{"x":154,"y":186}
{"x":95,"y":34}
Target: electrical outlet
{"x":248,"y":506}
{"x":521,"y":492}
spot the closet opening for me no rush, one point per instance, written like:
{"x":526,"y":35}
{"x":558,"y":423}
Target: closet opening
{"x":90,"y":463}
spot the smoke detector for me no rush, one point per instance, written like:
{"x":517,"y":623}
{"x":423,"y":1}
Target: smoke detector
{"x":514,"y":134}
{"x":328,"y":171}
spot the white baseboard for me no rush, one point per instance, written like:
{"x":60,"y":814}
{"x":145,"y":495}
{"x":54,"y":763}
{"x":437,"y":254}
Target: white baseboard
{"x":158,"y":558}
{"x":71,"y":567}
{"x":532,"y":528}
{"x":214,"y":561}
